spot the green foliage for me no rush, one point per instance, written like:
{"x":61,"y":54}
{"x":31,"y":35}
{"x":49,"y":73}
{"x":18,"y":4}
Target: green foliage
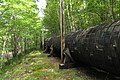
{"x":36,"y":66}
{"x":80,"y":14}
{"x":51,"y":18}
{"x":20,"y":26}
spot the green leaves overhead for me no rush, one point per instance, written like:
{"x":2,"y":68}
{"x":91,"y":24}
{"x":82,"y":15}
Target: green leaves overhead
{"x":51,"y":18}
{"x":19,"y":23}
{"x":80,"y":14}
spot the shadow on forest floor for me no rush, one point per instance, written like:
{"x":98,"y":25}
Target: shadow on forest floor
{"x":37,"y":66}
{"x":94,"y":73}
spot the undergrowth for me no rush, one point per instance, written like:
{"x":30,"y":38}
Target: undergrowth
{"x":37,"y":66}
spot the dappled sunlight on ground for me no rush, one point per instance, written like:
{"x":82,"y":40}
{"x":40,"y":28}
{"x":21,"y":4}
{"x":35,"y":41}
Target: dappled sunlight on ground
{"x":37,"y":66}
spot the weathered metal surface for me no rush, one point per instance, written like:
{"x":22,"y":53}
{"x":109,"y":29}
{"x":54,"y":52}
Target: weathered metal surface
{"x":97,"y":46}
{"x":53,"y":46}
{"x":48,"y":43}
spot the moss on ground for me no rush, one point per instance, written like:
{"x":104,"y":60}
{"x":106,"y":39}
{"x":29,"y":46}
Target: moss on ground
{"x":37,"y":66}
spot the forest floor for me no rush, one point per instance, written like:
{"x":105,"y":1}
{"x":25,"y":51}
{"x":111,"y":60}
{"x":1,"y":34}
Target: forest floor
{"x":37,"y":66}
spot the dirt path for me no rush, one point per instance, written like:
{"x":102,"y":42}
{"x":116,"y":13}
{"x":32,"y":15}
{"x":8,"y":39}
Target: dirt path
{"x":37,"y":66}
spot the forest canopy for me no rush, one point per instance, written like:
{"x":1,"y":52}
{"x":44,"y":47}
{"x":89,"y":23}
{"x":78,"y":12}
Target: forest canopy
{"x":20,"y":26}
{"x":80,"y":14}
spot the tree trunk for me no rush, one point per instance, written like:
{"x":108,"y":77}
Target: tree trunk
{"x":112,"y":10}
{"x":15,"y":44}
{"x":25,"y":45}
{"x":62,"y":28}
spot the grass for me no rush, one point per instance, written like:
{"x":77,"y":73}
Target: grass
{"x":37,"y":66}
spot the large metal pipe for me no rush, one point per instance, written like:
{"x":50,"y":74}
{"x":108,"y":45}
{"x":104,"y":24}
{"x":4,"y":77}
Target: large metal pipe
{"x":97,"y":46}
